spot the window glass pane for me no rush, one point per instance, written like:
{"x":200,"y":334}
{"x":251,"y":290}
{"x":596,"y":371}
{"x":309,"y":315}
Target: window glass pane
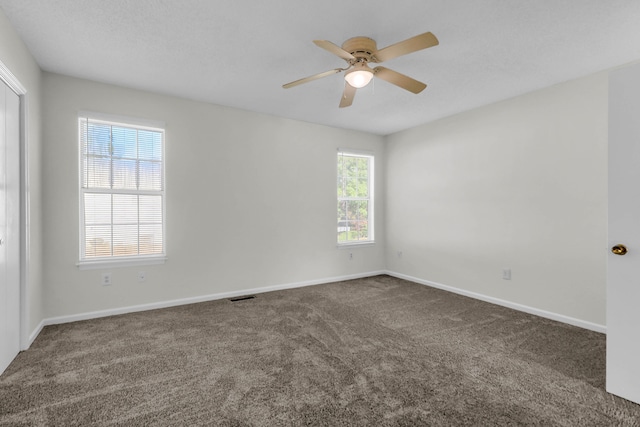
{"x":363,"y":166}
{"x":97,"y":241}
{"x":98,"y":139}
{"x":125,"y":209}
{"x":341,"y":189}
{"x":150,"y":209}
{"x":149,"y":145}
{"x":351,"y":234}
{"x":360,"y":230}
{"x":350,"y":187}
{"x":342,"y":211}
{"x":125,"y":240}
{"x":350,"y":167}
{"x":363,"y":187}
{"x":124,"y":142}
{"x":357,"y":210}
{"x":151,"y":239}
{"x":97,"y":209}
{"x":124,"y":174}
{"x":97,"y":172}
{"x":150,"y":175}
{"x":363,"y":210}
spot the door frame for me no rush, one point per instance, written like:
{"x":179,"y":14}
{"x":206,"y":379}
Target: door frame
{"x":14,"y":84}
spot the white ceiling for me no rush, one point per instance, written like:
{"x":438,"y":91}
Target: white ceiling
{"x":238,"y":53}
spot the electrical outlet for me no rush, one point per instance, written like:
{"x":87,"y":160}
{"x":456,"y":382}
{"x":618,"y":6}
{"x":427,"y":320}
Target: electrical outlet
{"x":142,"y":276}
{"x":506,"y":273}
{"x":106,"y":279}
{"x":350,"y":256}
{"x":399,"y":253}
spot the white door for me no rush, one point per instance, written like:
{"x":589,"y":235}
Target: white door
{"x":9,"y":226}
{"x":623,"y":269}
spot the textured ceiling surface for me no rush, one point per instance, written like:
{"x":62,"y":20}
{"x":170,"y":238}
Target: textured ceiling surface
{"x":238,"y":53}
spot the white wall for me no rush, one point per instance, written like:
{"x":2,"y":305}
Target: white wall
{"x":16,"y":57}
{"x":251,"y":200}
{"x":520,"y":184}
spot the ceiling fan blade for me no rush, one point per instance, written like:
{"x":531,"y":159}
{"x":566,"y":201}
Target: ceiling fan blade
{"x":347,"y":95}
{"x":311,"y":78}
{"x":335,"y":49}
{"x":413,"y":44}
{"x":394,"y":77}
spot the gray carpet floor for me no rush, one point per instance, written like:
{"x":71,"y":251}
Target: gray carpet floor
{"x":376,"y":351}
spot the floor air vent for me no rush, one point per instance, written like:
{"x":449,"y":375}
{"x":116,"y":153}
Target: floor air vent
{"x":236,"y":299}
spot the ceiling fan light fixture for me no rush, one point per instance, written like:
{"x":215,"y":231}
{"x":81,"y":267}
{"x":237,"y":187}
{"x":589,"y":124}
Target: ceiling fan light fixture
{"x":359,"y":76}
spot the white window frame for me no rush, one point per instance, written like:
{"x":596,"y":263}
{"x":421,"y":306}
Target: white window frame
{"x":119,"y":261}
{"x":371,"y":202}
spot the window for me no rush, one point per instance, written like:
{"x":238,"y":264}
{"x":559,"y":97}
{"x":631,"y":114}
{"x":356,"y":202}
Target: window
{"x":122,"y":194}
{"x":355,"y":198}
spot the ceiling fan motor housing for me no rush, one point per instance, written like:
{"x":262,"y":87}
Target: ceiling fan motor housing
{"x":361,"y":47}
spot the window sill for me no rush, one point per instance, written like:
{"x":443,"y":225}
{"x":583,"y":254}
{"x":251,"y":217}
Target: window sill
{"x":120,"y":262}
{"x":356,"y":244}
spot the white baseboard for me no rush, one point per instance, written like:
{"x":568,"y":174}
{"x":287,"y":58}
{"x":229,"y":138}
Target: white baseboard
{"x":211,"y":297}
{"x":34,"y":334}
{"x":191,"y":300}
{"x":520,"y":307}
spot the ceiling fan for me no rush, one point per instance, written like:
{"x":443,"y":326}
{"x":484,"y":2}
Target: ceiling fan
{"x":359,"y":52}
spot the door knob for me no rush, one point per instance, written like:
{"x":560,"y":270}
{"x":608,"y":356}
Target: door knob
{"x":619,"y":249}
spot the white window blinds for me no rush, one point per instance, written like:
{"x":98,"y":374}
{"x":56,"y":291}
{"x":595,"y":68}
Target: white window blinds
{"x":121,"y":190}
